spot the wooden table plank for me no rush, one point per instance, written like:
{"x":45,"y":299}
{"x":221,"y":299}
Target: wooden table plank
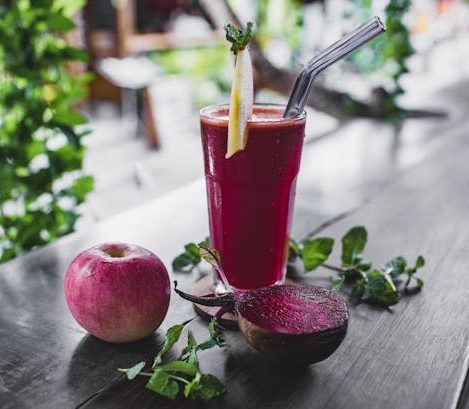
{"x":47,"y":361}
{"x":414,"y":357}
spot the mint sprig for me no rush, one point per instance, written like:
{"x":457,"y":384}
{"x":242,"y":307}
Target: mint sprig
{"x":190,"y":257}
{"x":182,"y":375}
{"x":374,"y":286}
{"x":237,"y":37}
{"x":381,"y":286}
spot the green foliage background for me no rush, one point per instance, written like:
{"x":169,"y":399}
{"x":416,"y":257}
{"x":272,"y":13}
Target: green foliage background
{"x":41,"y":150}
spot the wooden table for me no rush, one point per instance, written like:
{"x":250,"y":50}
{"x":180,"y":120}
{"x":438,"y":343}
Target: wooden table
{"x":413,"y":357}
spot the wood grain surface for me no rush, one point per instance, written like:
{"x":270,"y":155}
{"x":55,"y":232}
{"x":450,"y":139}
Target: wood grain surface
{"x":415,"y":356}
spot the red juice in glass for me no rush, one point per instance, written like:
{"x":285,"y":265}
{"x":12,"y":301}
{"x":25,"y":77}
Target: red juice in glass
{"x":250,"y":195}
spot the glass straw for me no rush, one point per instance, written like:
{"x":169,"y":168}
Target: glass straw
{"x":358,"y":37}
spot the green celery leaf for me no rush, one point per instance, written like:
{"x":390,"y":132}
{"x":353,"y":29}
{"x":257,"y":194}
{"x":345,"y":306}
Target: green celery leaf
{"x":172,"y":336}
{"x":353,"y":244}
{"x":380,"y":290}
{"x":337,"y":284}
{"x":316,"y":251}
{"x":207,"y":387}
{"x":419,"y":283}
{"x":135,"y":370}
{"x":161,"y":383}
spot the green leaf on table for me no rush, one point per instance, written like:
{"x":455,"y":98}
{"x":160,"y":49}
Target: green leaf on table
{"x":189,"y":258}
{"x":396,"y":266}
{"x":161,"y":383}
{"x":364,"y":266}
{"x":172,"y":336}
{"x":189,"y":352}
{"x":353,"y":244}
{"x":379,"y":289}
{"x":188,"y":368}
{"x":358,"y":289}
{"x":336,"y":285}
{"x":419,"y":263}
{"x":316,"y":251}
{"x":419,"y":283}
{"x":207,"y":387}
{"x":188,"y":387}
{"x":216,"y":334}
{"x":294,"y":251}
{"x":133,"y":372}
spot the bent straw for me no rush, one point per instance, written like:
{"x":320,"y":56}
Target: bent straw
{"x":357,"y":38}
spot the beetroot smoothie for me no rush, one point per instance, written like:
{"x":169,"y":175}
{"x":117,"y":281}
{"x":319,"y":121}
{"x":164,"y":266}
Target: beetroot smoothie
{"x":250,"y":195}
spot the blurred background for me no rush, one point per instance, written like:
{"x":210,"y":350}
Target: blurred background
{"x":99,"y":100}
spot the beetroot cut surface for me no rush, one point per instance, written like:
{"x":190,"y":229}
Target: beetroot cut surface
{"x":294,"y":309}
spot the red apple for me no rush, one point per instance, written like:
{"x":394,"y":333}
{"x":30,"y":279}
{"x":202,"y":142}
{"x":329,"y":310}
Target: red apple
{"x":118,"y":292}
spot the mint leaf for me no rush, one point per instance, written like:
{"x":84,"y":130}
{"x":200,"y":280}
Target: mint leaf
{"x":237,"y":37}
{"x":183,"y":372}
{"x":208,"y":387}
{"x":337,"y":284}
{"x":364,"y":266}
{"x":216,"y":338}
{"x":161,"y":383}
{"x":316,"y":251}
{"x":419,"y":263}
{"x":188,"y":368}
{"x":419,"y":283}
{"x":396,"y":266}
{"x":353,"y":244}
{"x":133,"y":372}
{"x":358,"y":289}
{"x":191,"y":343}
{"x":188,"y":387}
{"x":172,"y":336}
{"x":215,"y":334}
{"x":190,"y":258}
{"x":379,"y":289}
{"x":294,"y":251}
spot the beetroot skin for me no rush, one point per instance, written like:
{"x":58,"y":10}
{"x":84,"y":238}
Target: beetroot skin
{"x":290,"y":324}
{"x":118,"y":292}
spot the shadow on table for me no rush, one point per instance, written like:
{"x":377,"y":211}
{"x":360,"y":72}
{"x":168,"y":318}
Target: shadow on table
{"x":251,"y":378}
{"x":96,"y":362}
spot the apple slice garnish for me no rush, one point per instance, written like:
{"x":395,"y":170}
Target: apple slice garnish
{"x":242,"y":94}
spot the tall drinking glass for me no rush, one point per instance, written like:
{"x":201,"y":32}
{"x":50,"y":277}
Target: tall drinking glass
{"x":251,"y":195}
